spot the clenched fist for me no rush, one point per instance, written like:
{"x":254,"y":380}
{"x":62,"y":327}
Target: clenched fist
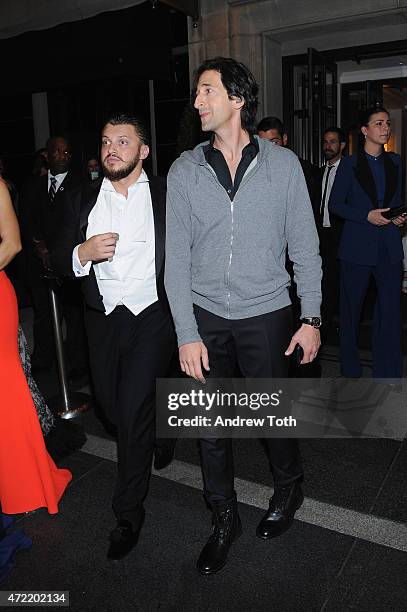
{"x":98,"y":248}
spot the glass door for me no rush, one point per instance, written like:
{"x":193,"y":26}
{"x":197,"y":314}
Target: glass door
{"x":322,"y":97}
{"x":310,"y":96}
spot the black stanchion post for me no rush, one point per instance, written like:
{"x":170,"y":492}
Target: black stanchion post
{"x":68,"y":404}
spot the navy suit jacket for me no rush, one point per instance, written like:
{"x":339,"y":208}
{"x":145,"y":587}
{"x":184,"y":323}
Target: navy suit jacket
{"x":353,"y":196}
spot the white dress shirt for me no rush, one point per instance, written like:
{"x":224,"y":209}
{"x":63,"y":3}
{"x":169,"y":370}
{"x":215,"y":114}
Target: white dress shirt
{"x":59,"y":178}
{"x":326,"y":222}
{"x":129,"y":277}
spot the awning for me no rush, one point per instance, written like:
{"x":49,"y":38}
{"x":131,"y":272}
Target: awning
{"x":20,"y":16}
{"x":134,"y":41}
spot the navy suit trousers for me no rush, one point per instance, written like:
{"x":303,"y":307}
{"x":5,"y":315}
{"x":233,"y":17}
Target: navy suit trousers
{"x":386,"y":340}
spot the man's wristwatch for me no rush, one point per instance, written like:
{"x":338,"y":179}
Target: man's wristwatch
{"x":314,"y":321}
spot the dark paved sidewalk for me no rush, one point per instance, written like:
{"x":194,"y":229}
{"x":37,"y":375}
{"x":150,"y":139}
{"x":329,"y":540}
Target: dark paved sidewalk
{"x":311,"y":567}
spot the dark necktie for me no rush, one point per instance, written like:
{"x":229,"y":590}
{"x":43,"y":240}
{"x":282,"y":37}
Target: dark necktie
{"x":323,"y":203}
{"x":52,"y":189}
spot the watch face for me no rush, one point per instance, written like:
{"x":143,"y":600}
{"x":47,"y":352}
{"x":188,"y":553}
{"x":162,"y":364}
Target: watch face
{"x":314,"y":321}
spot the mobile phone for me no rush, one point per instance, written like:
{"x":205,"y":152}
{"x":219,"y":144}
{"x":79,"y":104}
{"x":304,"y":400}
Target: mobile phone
{"x":298,"y":354}
{"x":395,"y":212}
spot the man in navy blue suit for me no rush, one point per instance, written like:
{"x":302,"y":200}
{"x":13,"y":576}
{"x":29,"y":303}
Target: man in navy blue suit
{"x":368,"y":184}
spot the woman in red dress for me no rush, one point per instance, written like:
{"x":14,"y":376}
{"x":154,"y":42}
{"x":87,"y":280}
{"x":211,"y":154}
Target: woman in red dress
{"x":29,"y":478}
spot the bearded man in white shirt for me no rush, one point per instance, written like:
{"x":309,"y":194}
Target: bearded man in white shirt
{"x":113,"y":239}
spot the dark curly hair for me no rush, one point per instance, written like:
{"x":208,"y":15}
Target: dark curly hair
{"x":238,"y":81}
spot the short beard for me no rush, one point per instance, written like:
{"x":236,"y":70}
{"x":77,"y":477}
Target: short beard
{"x":117,"y":175}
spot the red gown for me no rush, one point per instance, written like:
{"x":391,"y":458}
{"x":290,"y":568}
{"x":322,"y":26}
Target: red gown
{"x":29,"y":478}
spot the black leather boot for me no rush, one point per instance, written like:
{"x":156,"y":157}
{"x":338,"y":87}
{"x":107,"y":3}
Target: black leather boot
{"x":226,"y":528}
{"x":280,"y":515}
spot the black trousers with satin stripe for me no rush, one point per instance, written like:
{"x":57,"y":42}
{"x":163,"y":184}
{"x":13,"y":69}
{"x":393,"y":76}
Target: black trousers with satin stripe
{"x":256,"y":345}
{"x":127,"y":354}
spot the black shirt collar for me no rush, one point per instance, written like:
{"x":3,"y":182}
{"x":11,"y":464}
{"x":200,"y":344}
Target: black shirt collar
{"x":214,"y":157}
{"x":251,"y":148}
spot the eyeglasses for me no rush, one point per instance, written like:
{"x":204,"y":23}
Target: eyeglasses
{"x":380,"y":123}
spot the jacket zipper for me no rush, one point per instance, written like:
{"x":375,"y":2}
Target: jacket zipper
{"x":230,"y":257}
{"x":232,"y":227}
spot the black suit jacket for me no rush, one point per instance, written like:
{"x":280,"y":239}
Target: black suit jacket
{"x":77,"y":207}
{"x":41,"y":219}
{"x":311,"y":175}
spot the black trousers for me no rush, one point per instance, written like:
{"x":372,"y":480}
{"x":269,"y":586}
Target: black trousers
{"x":256,"y":345}
{"x":44,"y":343}
{"x":127,"y":354}
{"x":71,"y":306}
{"x":70,"y":302}
{"x":329,"y":243}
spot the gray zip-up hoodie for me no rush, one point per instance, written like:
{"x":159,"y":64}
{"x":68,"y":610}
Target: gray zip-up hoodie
{"x":229,"y":257}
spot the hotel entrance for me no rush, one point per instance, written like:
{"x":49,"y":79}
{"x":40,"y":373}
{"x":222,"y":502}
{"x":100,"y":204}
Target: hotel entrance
{"x":333,"y":87}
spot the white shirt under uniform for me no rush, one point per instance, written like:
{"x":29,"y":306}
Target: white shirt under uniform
{"x":331,"y":177}
{"x":129,"y":278}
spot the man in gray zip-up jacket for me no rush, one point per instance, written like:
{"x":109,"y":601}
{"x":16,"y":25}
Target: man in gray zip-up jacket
{"x":234,"y":206}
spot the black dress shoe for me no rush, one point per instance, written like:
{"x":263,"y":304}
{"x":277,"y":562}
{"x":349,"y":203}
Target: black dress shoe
{"x":124,"y":538}
{"x":163,"y":455}
{"x":227,"y":528}
{"x":280,"y":515}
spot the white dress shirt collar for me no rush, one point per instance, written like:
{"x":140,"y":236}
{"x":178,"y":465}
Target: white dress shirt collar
{"x":107,"y":184}
{"x":332,"y":168}
{"x":336,"y":164}
{"x":59,"y":178}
